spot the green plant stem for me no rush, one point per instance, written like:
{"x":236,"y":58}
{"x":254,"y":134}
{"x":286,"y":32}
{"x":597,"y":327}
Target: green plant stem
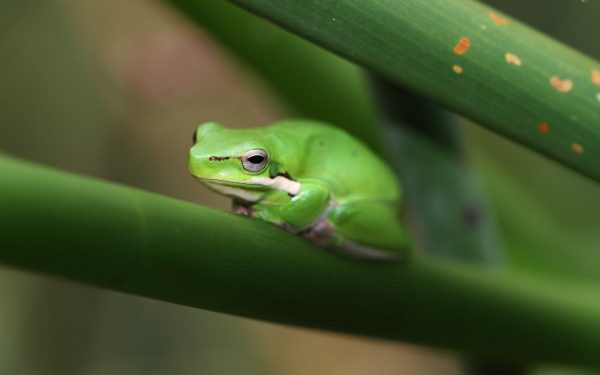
{"x":412,"y":43}
{"x":141,"y":243}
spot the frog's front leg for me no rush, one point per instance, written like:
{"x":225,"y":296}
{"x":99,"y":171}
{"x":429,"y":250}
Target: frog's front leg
{"x":305,"y":208}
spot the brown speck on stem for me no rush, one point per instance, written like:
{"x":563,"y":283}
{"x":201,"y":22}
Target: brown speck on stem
{"x":462,"y":46}
{"x":457,"y":69}
{"x":596,"y":76}
{"x":512,"y":59}
{"x":577,"y":148}
{"x":498,"y":20}
{"x":561,"y":85}
{"x":543,"y":128}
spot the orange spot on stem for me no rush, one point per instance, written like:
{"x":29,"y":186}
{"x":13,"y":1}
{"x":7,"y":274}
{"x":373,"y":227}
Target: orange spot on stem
{"x":499,"y":20}
{"x":457,"y":69}
{"x":462,"y":46}
{"x":512,"y":59}
{"x":596,"y":76}
{"x":543,"y":128}
{"x":561,"y":85}
{"x":577,"y":148}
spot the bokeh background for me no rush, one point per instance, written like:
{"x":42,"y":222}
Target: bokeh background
{"x":114,"y":89}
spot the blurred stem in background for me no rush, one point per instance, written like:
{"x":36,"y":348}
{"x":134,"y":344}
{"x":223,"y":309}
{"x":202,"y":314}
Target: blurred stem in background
{"x":450,"y":217}
{"x":310,"y":80}
{"x":445,"y":202}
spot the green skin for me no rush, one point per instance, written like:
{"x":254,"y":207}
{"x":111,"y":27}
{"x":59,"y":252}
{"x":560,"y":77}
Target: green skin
{"x":312,"y":179}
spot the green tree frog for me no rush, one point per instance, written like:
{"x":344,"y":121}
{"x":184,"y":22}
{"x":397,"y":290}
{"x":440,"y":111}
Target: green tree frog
{"x":309,"y":178}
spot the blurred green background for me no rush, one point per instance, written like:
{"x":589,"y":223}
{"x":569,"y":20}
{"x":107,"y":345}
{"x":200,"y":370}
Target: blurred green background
{"x":114,"y":89}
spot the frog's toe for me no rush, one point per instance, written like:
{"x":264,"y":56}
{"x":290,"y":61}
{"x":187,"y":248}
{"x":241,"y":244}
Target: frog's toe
{"x":241,"y":208}
{"x":355,"y":250}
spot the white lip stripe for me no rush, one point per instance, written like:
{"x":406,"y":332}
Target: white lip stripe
{"x":281,"y":183}
{"x":235,"y":191}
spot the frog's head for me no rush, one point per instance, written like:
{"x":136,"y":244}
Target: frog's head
{"x":234,"y":162}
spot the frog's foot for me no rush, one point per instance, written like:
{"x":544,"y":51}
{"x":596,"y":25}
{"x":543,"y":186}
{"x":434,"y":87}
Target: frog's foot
{"x":320,"y":233}
{"x":242,"y":209}
{"x":323,"y":234}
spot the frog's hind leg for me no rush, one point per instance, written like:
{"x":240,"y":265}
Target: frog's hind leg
{"x":323,"y":234}
{"x":362,"y":229}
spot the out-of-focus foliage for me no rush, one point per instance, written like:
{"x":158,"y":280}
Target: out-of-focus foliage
{"x":311,"y":81}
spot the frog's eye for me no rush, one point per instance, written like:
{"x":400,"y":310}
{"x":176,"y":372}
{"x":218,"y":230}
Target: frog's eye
{"x":255,"y":160}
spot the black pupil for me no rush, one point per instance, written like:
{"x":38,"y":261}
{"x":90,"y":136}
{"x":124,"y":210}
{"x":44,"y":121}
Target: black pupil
{"x":256,"y":159}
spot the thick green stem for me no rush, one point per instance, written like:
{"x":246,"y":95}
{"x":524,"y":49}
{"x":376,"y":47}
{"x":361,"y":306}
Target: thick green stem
{"x":470,"y":58}
{"x":131,"y":241}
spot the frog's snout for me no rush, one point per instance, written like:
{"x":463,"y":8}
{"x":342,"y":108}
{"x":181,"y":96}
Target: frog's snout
{"x":195,"y":162}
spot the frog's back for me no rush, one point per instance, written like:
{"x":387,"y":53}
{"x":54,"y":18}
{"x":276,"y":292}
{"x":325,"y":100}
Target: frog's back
{"x":345,"y":164}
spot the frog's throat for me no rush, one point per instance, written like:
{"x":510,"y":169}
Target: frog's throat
{"x":236,"y":189}
{"x":233,"y":191}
